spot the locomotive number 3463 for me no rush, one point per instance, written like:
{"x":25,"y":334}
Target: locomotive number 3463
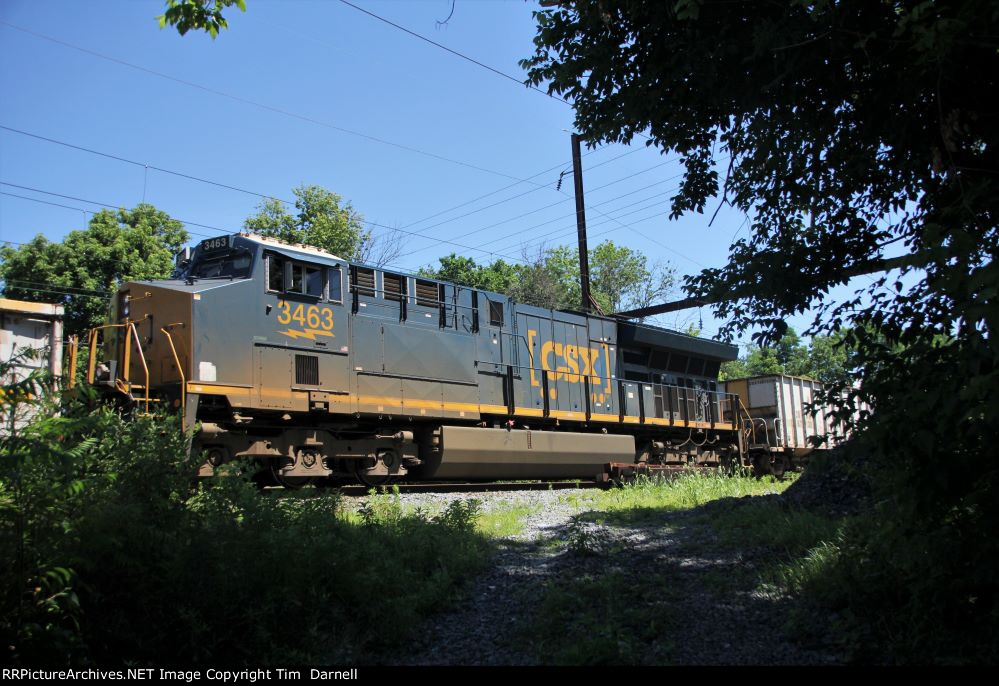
{"x":313,"y":316}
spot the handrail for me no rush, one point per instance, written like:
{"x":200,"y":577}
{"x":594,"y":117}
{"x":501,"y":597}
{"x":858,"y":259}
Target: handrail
{"x":183,"y":380}
{"x":92,"y":342}
{"x":145,"y":367}
{"x":73,"y":350}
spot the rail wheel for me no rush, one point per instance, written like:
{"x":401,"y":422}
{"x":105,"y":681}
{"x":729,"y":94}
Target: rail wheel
{"x":371,"y":480}
{"x":389,"y":460}
{"x":290,"y":482}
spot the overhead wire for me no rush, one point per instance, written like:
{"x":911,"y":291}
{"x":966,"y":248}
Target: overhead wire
{"x":254,"y":103}
{"x":454,"y":52}
{"x":419,"y":233}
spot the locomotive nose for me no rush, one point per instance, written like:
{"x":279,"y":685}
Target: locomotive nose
{"x":148,"y":340}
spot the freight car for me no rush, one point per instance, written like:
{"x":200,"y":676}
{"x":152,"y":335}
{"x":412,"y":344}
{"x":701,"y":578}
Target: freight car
{"x":315,"y":368}
{"x":784,"y":419}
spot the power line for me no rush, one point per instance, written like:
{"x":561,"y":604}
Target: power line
{"x":419,"y":233}
{"x":254,"y":103}
{"x":144,"y":164}
{"x":454,"y":52}
{"x":44,"y":202}
{"x":573,"y":214}
{"x":513,"y":197}
{"x":226,"y":231}
{"x":220,"y":184}
{"x":545,"y":207}
{"x":104,"y":204}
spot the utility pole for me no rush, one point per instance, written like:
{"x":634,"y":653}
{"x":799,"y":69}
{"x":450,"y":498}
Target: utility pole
{"x":584,"y":255}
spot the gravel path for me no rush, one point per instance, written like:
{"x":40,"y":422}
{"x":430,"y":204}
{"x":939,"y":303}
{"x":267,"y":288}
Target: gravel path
{"x":717,"y":614}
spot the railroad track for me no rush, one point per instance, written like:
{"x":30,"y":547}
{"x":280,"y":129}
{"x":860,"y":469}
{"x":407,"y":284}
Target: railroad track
{"x":359,"y":490}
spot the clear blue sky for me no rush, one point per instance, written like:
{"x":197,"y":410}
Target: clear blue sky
{"x":271,"y":104}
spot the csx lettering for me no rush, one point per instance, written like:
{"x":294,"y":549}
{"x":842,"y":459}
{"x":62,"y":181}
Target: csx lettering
{"x":312,"y":316}
{"x":569,"y":362}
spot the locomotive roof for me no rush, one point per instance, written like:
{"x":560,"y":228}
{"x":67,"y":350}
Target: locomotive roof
{"x":297,"y":247}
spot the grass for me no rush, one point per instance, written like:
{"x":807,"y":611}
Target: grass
{"x":627,"y":616}
{"x":505,"y":520}
{"x":602,"y":619}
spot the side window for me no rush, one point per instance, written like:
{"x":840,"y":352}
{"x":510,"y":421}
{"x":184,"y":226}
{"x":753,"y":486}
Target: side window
{"x":495,"y":313}
{"x":275,"y":273}
{"x":314,"y":281}
{"x":296,"y":278}
{"x":336,"y":285}
{"x":283,"y":275}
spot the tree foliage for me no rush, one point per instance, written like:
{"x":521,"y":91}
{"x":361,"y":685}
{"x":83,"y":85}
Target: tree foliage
{"x":850,"y":131}
{"x":83,"y":270}
{"x":824,"y":358}
{"x":202,"y":15}
{"x":323,"y":220}
{"x":619,"y":277}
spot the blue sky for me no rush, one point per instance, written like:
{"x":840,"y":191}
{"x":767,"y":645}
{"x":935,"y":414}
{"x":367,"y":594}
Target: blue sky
{"x":296,"y":92}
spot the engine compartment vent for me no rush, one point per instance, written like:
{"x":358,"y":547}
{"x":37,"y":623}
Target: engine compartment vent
{"x":307,"y":370}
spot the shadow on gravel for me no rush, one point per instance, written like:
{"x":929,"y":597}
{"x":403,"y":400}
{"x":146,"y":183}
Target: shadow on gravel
{"x":694,"y":586}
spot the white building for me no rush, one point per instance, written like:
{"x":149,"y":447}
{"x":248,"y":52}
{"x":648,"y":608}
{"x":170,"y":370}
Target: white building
{"x":26,"y":325}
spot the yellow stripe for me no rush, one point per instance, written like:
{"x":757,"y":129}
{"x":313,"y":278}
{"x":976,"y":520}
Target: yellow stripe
{"x":404,"y":404}
{"x":216,"y":388}
{"x":529,"y":412}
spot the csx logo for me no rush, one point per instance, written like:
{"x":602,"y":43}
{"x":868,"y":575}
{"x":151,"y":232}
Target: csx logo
{"x":569,"y":362}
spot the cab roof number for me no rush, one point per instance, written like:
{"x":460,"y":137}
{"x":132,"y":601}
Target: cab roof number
{"x":215,"y":244}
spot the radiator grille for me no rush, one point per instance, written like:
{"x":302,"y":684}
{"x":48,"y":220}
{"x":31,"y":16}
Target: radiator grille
{"x":307,"y":370}
{"x":426,"y":293}
{"x":395,"y":287}
{"x":362,"y":281}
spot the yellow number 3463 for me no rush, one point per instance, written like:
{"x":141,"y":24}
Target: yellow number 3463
{"x":312,"y":317}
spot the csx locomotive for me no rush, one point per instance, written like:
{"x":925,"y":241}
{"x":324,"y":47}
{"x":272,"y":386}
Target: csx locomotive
{"x":315,"y":367}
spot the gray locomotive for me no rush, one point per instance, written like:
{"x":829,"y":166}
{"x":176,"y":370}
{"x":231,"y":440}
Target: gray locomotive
{"x":315,"y":367}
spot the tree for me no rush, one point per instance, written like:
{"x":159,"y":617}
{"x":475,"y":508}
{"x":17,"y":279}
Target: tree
{"x":84,"y":270}
{"x":857,"y":136}
{"x":825,"y":359}
{"x":549,"y":277}
{"x":323,"y":220}
{"x":203,"y":15}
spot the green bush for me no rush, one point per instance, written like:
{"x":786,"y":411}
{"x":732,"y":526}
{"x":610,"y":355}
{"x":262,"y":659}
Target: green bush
{"x":113,"y":554}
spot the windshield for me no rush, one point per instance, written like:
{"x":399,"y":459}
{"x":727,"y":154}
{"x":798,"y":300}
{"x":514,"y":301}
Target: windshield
{"x":230,"y":266}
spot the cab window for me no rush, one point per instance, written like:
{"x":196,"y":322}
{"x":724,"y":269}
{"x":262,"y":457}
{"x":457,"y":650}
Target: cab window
{"x":275,"y":273}
{"x":336,"y":285}
{"x":289,"y":276}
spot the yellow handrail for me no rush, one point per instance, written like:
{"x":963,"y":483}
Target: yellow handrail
{"x":142,"y":358}
{"x":73,"y":349}
{"x":183,"y":380}
{"x":92,"y":342}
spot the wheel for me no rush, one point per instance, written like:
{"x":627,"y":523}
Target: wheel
{"x":371,"y":480}
{"x":761,"y":464}
{"x":290,"y":482}
{"x":389,"y":459}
